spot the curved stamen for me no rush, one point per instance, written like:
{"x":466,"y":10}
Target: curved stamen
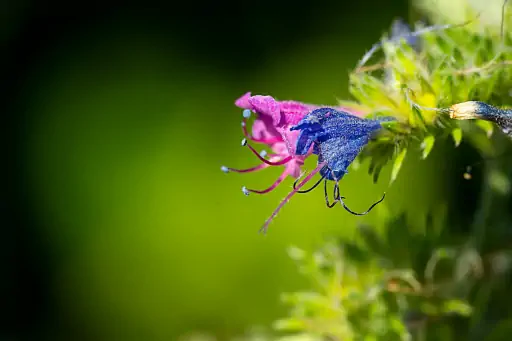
{"x":308,"y":190}
{"x":271,"y":188}
{"x":289,"y":196}
{"x":248,"y":170}
{"x":364,"y":213}
{"x":271,"y":163}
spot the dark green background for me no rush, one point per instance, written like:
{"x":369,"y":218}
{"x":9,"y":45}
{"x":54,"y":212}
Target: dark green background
{"x":120,"y":224}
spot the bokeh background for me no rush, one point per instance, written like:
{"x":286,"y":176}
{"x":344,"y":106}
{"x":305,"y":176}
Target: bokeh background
{"x":119,"y":223}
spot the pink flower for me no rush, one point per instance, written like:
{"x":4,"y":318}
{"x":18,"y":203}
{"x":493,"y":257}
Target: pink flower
{"x":271,"y":127}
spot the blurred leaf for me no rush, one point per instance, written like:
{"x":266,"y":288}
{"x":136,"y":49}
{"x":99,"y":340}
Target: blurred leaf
{"x":457,"y":307}
{"x":499,"y":182}
{"x":398,"y":164}
{"x":486,"y":126}
{"x":289,"y":324}
{"x":427,"y":145}
{"x":457,"y":136}
{"x":296,"y":253}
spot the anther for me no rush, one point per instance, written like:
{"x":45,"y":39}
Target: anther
{"x":244,"y":142}
{"x":224,"y":169}
{"x":246,"y":113}
{"x":263,"y":153}
{"x":245,"y":190}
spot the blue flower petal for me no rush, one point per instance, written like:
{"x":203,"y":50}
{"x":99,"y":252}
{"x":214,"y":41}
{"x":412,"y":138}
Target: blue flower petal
{"x":338,"y":138}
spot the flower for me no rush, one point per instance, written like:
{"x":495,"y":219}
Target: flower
{"x":273,"y":127}
{"x":336,"y":137}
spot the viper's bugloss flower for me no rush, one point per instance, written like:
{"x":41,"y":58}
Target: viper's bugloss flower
{"x":336,"y":137}
{"x":271,"y":127}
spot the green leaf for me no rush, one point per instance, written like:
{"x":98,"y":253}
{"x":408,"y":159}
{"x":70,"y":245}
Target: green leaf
{"x":427,"y":145}
{"x":457,"y":136}
{"x":296,"y":253}
{"x":356,"y":253}
{"x":376,"y":173}
{"x":499,"y":182}
{"x":457,"y":307}
{"x":398,"y":164}
{"x":486,"y":126}
{"x":290,"y":324}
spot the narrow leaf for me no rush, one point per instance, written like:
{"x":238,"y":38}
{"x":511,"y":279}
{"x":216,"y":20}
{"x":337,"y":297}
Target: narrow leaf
{"x":398,"y":164}
{"x":486,"y":126}
{"x":457,"y":136}
{"x":427,"y":145}
{"x":457,"y":307}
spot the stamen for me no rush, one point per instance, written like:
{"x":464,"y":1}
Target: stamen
{"x":271,"y":188}
{"x":290,"y":195}
{"x":248,"y":170}
{"x":263,"y":153}
{"x":364,"y":213}
{"x":271,"y":163}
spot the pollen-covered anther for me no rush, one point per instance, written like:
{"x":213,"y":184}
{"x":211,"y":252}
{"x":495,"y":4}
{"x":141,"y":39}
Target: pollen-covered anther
{"x":244,"y":142}
{"x":245,"y":191}
{"x":263,"y":153}
{"x":246,"y":113}
{"x":224,"y":169}
{"x":464,"y":110}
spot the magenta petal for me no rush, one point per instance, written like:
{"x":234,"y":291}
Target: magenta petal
{"x":260,"y":130}
{"x":243,"y":102}
{"x":292,"y":112}
{"x":263,"y":128}
{"x":289,"y":138}
{"x":293,"y":168}
{"x":279,"y":148}
{"x":266,"y":105}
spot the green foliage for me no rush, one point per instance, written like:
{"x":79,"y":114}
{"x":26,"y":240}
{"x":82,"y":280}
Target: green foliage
{"x":454,"y":65}
{"x":449,"y":281}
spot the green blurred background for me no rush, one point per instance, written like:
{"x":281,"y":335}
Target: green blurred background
{"x":121,"y":225}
